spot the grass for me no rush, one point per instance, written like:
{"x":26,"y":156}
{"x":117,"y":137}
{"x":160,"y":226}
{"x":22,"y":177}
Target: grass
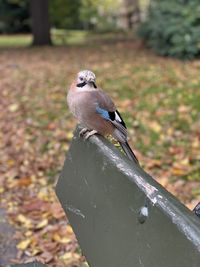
{"x":21,"y":40}
{"x":63,"y":37}
{"x":59,"y":37}
{"x":157,"y":97}
{"x":156,"y":87}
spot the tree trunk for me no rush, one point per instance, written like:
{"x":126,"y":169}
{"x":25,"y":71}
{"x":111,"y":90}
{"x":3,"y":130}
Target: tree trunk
{"x":40,"y":22}
{"x":132,"y":12}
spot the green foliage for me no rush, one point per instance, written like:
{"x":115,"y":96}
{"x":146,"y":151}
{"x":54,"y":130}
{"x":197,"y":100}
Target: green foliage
{"x":173,"y":28}
{"x":65,"y":13}
{"x":99,"y":14}
{"x":14,"y":16}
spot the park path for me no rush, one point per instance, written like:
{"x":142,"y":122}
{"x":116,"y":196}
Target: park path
{"x":8,"y":250}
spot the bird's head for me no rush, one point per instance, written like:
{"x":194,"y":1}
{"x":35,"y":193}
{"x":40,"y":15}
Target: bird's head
{"x":86,"y":77}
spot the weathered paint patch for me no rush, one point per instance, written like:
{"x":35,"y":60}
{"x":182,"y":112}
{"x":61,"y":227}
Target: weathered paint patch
{"x":75,"y":210}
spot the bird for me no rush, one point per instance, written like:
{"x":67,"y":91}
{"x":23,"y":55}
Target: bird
{"x":96,"y":112}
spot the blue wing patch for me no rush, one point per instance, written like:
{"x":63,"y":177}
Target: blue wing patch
{"x":113,"y":116}
{"x":103,"y":113}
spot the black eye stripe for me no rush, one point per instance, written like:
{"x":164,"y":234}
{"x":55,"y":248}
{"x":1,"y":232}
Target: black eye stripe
{"x":81,"y":84}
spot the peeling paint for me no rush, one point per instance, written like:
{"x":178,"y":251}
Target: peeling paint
{"x":75,"y":210}
{"x":152,"y":193}
{"x":132,"y":209}
{"x":183,"y":225}
{"x":86,"y":182}
{"x":140,"y":261}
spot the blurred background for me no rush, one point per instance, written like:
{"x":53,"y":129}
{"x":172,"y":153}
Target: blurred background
{"x":145,"y":54}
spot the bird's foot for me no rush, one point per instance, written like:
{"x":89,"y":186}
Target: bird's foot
{"x":83,"y":132}
{"x":88,"y":134}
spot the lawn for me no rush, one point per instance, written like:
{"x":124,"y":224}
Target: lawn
{"x":159,"y":99}
{"x":64,"y":37}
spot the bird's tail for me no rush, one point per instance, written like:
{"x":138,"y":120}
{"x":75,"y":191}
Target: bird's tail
{"x":128,"y":151}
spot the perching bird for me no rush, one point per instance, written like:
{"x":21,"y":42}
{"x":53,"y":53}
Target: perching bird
{"x":95,"y":110}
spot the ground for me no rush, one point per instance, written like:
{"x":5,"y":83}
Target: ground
{"x":159,"y":99}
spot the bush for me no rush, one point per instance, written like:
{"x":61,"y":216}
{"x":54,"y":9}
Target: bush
{"x":14,"y":16}
{"x":64,"y":14}
{"x":172,"y":28}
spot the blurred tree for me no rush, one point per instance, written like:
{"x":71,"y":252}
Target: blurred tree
{"x":172,"y":28}
{"x":40,"y":22}
{"x":99,"y":14}
{"x":131,"y":12}
{"x":14,"y":16}
{"x":65,"y":13}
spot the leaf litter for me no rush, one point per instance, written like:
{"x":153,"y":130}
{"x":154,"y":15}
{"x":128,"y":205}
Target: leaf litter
{"x":159,"y":99}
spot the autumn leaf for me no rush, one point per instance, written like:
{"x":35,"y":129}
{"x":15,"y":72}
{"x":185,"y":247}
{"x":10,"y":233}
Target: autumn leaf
{"x":42,"y":224}
{"x":14,"y":107}
{"x":26,"y":181}
{"x":161,"y":113}
{"x":23,"y":245}
{"x":26,"y":222}
{"x":70,"y":257}
{"x":63,"y":240}
{"x":155,"y":126}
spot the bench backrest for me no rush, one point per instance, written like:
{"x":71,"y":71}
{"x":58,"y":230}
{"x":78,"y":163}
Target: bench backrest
{"x":121,"y":216}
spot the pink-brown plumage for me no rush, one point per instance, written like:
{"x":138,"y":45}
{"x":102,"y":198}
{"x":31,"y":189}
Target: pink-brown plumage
{"x":79,"y":101}
{"x":96,"y":111}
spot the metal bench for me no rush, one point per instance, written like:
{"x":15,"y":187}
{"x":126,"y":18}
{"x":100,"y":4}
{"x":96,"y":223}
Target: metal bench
{"x":121,"y":216}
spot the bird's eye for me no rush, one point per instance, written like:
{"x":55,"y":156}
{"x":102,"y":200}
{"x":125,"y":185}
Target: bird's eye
{"x":81,"y":78}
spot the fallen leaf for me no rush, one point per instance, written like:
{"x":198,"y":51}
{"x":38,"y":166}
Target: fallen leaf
{"x":26,"y":222}
{"x":62,"y":240}
{"x":13,"y":107}
{"x":183,"y":109}
{"x":26,"y":181}
{"x":69,"y":230}
{"x":1,"y":190}
{"x":46,"y":256}
{"x":70,"y":257}
{"x":155,"y":126}
{"x":70,"y":135}
{"x":178,"y":172}
{"x":57,"y":210}
{"x":23,"y":245}
{"x":42,"y":224}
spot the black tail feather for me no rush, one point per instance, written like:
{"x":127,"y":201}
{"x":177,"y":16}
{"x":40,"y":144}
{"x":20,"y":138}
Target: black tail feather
{"x":128,"y":151}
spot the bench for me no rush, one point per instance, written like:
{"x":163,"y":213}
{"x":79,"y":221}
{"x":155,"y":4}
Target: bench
{"x":121,"y":216}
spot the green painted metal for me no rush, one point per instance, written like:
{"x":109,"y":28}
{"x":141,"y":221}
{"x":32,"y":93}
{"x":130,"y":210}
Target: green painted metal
{"x":121,"y":216}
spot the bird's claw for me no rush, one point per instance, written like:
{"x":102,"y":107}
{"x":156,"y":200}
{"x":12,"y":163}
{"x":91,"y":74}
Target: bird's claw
{"x":88,"y":134}
{"x":83,"y":132}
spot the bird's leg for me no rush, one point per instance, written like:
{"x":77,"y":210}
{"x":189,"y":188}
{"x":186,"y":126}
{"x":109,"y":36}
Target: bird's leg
{"x":83,"y":132}
{"x":90,"y":133}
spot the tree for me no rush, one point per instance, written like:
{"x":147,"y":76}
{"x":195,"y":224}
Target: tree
{"x":172,"y":28}
{"x":100,"y":14}
{"x":14,"y":16}
{"x":65,"y":14}
{"x":40,"y":22}
{"x":131,"y":12}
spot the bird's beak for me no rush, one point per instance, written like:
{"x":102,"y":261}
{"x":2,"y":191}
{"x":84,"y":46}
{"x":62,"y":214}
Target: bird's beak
{"x":91,"y":81}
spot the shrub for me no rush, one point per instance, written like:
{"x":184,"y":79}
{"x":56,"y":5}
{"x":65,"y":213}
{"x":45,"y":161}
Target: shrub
{"x":172,"y":28}
{"x":14,"y":16}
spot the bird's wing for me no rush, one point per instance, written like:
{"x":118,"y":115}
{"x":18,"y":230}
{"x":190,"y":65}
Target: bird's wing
{"x":107,"y":110}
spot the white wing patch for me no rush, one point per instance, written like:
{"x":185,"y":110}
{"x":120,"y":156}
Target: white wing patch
{"x":117,"y":117}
